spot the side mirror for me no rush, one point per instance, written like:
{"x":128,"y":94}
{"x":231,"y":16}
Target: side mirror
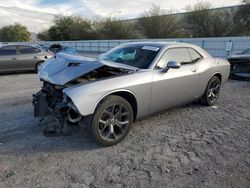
{"x":171,"y":65}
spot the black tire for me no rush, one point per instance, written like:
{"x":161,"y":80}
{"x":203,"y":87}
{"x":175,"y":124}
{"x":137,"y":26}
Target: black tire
{"x":37,"y":65}
{"x":111,"y":121}
{"x":212,"y":92}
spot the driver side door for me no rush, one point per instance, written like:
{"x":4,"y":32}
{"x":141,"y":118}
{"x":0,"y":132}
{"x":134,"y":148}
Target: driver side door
{"x":176,"y":86}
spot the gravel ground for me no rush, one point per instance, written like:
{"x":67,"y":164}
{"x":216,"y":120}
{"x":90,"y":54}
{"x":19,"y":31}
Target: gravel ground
{"x":190,"y":146}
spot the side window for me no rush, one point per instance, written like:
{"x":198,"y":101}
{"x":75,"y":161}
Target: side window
{"x":179,"y":55}
{"x":8,"y":50}
{"x":195,"y":56}
{"x":27,"y":50}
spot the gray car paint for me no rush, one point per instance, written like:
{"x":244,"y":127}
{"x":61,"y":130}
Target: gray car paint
{"x":153,"y":89}
{"x":174,"y":87}
{"x":21,"y":62}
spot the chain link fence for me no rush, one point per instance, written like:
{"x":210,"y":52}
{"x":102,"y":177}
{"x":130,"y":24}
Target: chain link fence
{"x":218,"y":47}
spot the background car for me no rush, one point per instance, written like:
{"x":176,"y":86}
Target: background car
{"x":55,"y":48}
{"x":240,"y":65}
{"x":21,"y":58}
{"x":128,"y":82}
{"x":42,"y":47}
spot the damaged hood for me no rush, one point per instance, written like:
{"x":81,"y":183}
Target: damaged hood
{"x":63,"y":68}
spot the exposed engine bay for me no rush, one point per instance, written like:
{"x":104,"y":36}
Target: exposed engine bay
{"x":100,"y":73}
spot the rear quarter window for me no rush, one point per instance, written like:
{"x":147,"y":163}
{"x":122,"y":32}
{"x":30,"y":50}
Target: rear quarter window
{"x":8,"y":50}
{"x":195,"y":56}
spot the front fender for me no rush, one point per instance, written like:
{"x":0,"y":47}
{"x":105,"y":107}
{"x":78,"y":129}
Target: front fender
{"x":85,"y":103}
{"x":86,"y":97}
{"x":83,"y":100}
{"x":114,"y":91}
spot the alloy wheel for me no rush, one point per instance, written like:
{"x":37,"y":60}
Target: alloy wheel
{"x":113,"y":122}
{"x":213,"y":91}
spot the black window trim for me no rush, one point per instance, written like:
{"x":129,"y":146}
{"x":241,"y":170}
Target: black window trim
{"x":175,"y":48}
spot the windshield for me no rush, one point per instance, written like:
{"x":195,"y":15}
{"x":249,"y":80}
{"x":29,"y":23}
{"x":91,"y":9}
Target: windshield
{"x":246,"y":51}
{"x":137,"y":56}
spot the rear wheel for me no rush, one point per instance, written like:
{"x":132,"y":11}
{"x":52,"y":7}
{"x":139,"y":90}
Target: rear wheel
{"x":212,"y":91}
{"x":112,"y":120}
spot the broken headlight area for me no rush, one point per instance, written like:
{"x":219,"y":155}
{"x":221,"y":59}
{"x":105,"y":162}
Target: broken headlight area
{"x":51,"y":103}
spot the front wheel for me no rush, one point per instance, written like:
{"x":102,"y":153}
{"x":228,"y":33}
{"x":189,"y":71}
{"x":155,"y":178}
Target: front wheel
{"x":212,"y":91}
{"x":112,"y":120}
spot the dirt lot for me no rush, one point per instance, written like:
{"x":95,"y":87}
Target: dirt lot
{"x":192,"y":146}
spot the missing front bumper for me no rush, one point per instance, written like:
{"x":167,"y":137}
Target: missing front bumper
{"x":41,"y":108}
{"x":61,"y":114}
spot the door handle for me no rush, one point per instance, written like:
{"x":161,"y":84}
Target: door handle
{"x":193,"y":70}
{"x":13,"y":58}
{"x":35,"y":57}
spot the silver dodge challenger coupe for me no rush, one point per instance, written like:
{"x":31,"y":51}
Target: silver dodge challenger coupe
{"x":130,"y":81}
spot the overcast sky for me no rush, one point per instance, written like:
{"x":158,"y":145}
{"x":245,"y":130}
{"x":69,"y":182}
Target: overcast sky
{"x":38,"y":14}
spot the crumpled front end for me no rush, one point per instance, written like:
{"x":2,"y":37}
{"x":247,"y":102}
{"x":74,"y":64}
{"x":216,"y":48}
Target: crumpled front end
{"x":51,"y":102}
{"x":64,"y":72}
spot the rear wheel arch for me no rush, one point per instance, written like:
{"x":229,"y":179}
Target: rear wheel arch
{"x":37,"y":64}
{"x":217,"y":75}
{"x":205,"y":99}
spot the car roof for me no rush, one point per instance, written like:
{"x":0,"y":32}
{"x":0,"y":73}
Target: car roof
{"x":150,"y":43}
{"x":17,"y":45}
{"x":34,"y":46}
{"x":158,"y":43}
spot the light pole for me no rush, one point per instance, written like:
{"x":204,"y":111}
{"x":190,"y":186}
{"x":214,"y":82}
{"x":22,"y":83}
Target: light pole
{"x":114,"y":12}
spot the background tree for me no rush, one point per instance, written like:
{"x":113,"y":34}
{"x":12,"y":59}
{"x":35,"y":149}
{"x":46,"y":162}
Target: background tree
{"x":222,"y":23}
{"x":43,"y":35}
{"x":68,"y":28}
{"x":115,"y":29}
{"x":82,"y":29}
{"x":62,"y":28}
{"x":155,"y":24}
{"x":242,"y":18}
{"x":14,"y":33}
{"x":201,"y":21}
